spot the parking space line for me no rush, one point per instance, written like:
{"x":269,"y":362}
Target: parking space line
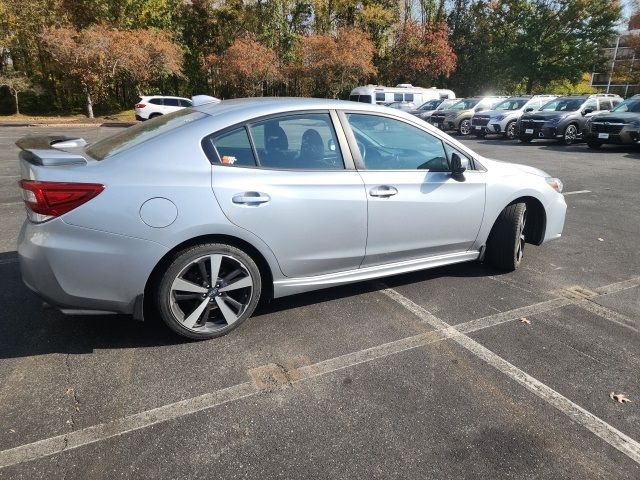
{"x":443,"y":331}
{"x":104,"y":431}
{"x":577,"y":192}
{"x":618,"y":286}
{"x":575,"y":412}
{"x":607,"y":314}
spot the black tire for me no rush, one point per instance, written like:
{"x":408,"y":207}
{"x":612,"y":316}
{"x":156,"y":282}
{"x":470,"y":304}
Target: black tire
{"x":464,"y":127}
{"x":510,"y":130}
{"x":154,"y":115}
{"x":506,"y":240}
{"x":166,"y":303}
{"x":594,"y":144}
{"x":570,"y":134}
{"x":525,"y":139}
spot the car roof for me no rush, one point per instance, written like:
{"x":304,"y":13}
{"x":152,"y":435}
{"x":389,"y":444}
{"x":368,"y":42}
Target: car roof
{"x":270,"y":105}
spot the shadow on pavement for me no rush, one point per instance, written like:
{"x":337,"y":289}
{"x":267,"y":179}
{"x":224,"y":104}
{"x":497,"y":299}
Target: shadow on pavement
{"x":28,"y":329}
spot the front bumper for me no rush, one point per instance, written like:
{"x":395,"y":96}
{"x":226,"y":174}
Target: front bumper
{"x":624,"y":137}
{"x":445,"y":123}
{"x":556,"y":212}
{"x":76,"y":268}
{"x":541,"y":131}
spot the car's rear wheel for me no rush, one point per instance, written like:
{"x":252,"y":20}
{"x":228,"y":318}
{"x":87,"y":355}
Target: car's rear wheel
{"x":208,"y":290}
{"x":465,"y":127}
{"x":594,"y":144}
{"x":154,"y":115}
{"x":570,"y":134}
{"x":505,"y":246}
{"x":510,"y":130}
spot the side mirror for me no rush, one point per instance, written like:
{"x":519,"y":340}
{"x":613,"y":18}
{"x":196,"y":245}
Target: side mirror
{"x":331,"y":145}
{"x":587,"y":111}
{"x":529,"y":109}
{"x":456,"y":165}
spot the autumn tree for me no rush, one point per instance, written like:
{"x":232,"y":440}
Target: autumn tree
{"x":16,"y":83}
{"x":329,"y":65}
{"x":246,"y":66}
{"x":97,"y":55}
{"x":419,"y":54}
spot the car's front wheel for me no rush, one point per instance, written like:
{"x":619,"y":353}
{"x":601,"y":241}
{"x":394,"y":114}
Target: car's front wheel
{"x":570,"y":134}
{"x":510,"y":130}
{"x":505,"y":246}
{"x":208,"y":290}
{"x":465,"y":127}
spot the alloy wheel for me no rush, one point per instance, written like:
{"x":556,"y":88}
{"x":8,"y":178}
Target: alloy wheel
{"x":521,"y":239}
{"x":465,"y":127}
{"x":211,"y":293}
{"x":570,"y":134}
{"x":511,"y":131}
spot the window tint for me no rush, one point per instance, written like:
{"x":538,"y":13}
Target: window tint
{"x":465,"y":160}
{"x":605,"y":104}
{"x":408,"y":97}
{"x":397,"y":97}
{"x":185,"y":103}
{"x":364,"y":99}
{"x":389,"y":144}
{"x":305,"y":141}
{"x":142,"y":132}
{"x":171,"y":102}
{"x":379,"y":96}
{"x":592,"y":104}
{"x":232,"y":148}
{"x":156,"y":101}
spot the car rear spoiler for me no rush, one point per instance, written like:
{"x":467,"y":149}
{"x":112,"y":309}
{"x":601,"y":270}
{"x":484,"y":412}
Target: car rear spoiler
{"x":46,"y":150}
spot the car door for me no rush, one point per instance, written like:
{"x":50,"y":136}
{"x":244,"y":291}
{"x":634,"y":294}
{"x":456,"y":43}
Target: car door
{"x":171,"y":105}
{"x":416,"y":207}
{"x":284,"y":179}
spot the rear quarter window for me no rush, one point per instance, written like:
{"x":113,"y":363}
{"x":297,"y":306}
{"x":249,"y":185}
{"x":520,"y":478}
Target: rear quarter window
{"x":142,"y":132}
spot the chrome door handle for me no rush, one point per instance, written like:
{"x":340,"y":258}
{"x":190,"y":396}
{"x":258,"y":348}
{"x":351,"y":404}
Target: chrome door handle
{"x":250,"y":198}
{"x":383,"y":191}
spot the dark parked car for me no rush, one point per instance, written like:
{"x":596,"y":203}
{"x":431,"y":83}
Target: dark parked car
{"x":621,"y":125}
{"x":564,"y":118}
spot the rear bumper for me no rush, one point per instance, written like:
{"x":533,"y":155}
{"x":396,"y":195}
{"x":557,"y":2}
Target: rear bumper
{"x":75,"y":268}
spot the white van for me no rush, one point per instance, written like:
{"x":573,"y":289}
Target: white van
{"x":405,"y":92}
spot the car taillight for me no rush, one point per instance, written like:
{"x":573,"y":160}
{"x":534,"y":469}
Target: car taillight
{"x":52,"y":199}
{"x":140,"y":105}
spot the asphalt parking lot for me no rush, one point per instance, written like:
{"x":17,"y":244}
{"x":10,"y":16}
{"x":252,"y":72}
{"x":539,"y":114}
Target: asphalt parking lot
{"x":429,"y":375}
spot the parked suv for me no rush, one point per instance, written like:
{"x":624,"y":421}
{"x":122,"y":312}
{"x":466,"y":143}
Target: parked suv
{"x":564,"y":118}
{"x":621,"y":125}
{"x":502,"y":119}
{"x":458,"y":116}
{"x":425,"y":110}
{"x":154,"y":106}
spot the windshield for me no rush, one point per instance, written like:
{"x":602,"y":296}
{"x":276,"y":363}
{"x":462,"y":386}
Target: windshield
{"x":142,"y":132}
{"x":465,"y":104}
{"x":430,"y":105}
{"x":446,"y":104}
{"x":563,"y":105}
{"x":631,"y":105}
{"x":512,"y":104}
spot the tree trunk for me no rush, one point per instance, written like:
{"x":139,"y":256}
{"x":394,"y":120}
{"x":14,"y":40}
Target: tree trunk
{"x":15,"y":96}
{"x":89,"y":106}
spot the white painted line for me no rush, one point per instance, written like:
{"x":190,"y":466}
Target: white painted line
{"x":618,"y":286}
{"x":86,"y":436}
{"x":103,"y":431}
{"x":577,"y":192}
{"x":608,"y":314}
{"x":575,"y":412}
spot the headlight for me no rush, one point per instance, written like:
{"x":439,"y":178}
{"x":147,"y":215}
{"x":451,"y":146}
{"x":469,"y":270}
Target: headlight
{"x":634,"y":124}
{"x":555,"y":121}
{"x":498,"y":118}
{"x":555,"y":183}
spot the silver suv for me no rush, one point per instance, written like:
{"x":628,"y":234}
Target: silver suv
{"x":502,"y":119}
{"x":458,"y":116}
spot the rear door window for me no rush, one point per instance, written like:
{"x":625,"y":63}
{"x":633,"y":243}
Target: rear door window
{"x":156,"y":101}
{"x":171,"y":102}
{"x":397,"y":97}
{"x":304,"y":141}
{"x":185,"y":103}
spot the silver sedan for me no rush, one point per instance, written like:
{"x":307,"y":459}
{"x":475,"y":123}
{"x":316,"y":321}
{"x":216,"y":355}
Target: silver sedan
{"x":197,"y":215}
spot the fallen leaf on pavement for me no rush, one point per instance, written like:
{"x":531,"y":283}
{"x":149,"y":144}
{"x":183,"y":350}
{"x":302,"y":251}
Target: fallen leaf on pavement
{"x":525,"y":320}
{"x":619,"y":397}
{"x":600,"y":239}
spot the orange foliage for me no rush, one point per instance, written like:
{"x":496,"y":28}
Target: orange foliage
{"x":333,"y":64}
{"x":246,"y":65}
{"x":420,"y":53}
